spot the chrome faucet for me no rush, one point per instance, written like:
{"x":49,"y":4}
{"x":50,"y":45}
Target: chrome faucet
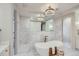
{"x":45,"y":38}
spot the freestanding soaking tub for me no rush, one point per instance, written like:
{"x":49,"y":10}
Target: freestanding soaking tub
{"x":43,"y":47}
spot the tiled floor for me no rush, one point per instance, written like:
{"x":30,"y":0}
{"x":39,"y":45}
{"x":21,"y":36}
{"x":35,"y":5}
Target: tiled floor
{"x":68,"y":51}
{"x":71,"y":52}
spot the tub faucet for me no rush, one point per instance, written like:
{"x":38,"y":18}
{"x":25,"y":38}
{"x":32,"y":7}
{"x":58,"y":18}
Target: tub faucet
{"x":45,"y":38}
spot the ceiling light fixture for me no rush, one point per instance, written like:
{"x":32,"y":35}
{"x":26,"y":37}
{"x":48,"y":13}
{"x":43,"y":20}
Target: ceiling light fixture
{"x":38,"y":18}
{"x":50,"y":10}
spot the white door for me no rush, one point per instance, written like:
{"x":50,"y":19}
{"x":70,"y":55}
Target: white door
{"x":67,"y":32}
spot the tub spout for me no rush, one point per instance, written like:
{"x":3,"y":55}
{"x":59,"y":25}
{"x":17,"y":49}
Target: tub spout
{"x":45,"y":40}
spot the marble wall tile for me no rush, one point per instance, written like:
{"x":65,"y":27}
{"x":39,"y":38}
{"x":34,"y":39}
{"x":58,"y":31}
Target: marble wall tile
{"x":29,"y":37}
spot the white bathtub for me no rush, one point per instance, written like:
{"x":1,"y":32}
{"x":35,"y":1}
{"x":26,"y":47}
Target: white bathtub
{"x":43,"y":47}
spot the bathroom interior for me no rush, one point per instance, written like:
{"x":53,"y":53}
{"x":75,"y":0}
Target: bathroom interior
{"x":39,"y":29}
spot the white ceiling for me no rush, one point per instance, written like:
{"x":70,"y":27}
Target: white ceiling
{"x":31,"y":9}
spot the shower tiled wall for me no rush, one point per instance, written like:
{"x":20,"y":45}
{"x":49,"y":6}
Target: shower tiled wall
{"x":30,"y":35}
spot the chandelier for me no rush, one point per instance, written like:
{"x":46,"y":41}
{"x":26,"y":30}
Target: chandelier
{"x":47,"y":12}
{"x":38,"y":18}
{"x":50,"y":10}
